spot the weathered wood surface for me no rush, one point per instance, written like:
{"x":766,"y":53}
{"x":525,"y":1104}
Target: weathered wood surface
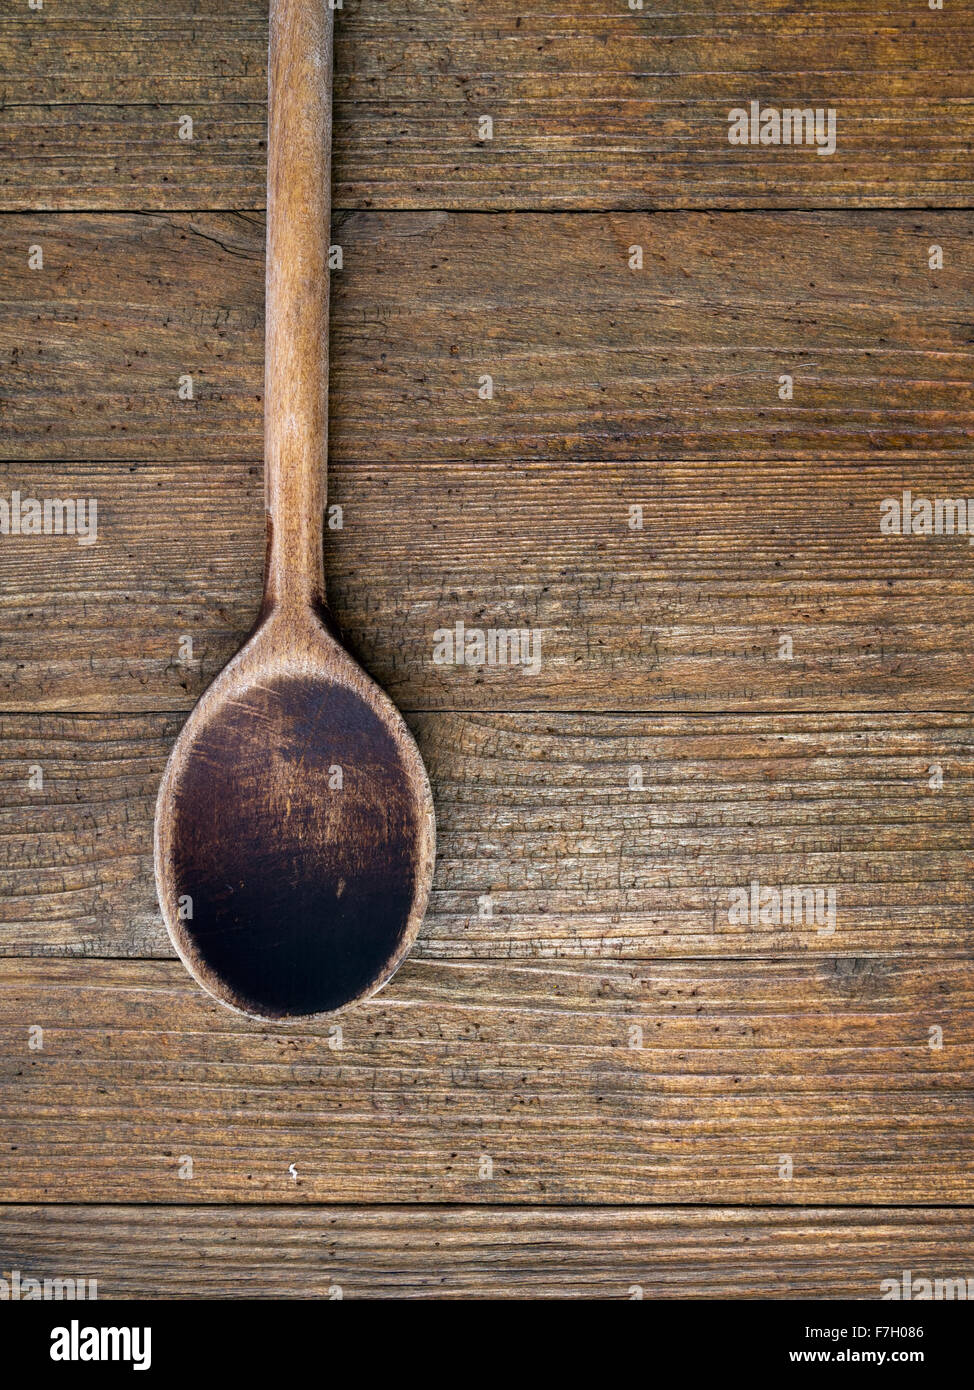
{"x":728,"y":558}
{"x":590,"y":359}
{"x":593,"y":107}
{"x":472,"y":1252}
{"x":544,"y":849}
{"x":536,"y":1067}
{"x":569,"y":909}
{"x":686,"y":614}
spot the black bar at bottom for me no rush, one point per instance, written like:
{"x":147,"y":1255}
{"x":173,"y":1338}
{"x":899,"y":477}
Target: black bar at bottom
{"x":286,"y":1339}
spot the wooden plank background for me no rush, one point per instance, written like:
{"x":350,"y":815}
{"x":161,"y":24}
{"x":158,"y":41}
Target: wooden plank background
{"x":736,"y":1068}
{"x":485,"y":1252}
{"x":536,"y":814}
{"x":594,"y":106}
{"x":586,"y":1079}
{"x":590,"y":359}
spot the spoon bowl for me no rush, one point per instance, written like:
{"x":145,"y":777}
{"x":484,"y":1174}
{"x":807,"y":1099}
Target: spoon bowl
{"x":294,"y":844}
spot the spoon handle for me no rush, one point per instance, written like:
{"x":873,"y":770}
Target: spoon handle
{"x":299,"y":85}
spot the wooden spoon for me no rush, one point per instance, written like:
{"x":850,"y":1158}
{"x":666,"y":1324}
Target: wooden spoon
{"x":294,"y":838}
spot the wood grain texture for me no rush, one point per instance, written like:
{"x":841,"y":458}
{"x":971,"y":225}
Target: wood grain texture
{"x":589,"y":358}
{"x":475,"y":1252}
{"x":593,"y":107}
{"x":686,"y":614}
{"x":296,"y":299}
{"x":544,"y":850}
{"x":578,"y":1010}
{"x":827,"y":1060}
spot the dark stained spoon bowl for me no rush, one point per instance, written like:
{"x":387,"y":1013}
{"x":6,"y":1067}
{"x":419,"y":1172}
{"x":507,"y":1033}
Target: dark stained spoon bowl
{"x":294,"y":838}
